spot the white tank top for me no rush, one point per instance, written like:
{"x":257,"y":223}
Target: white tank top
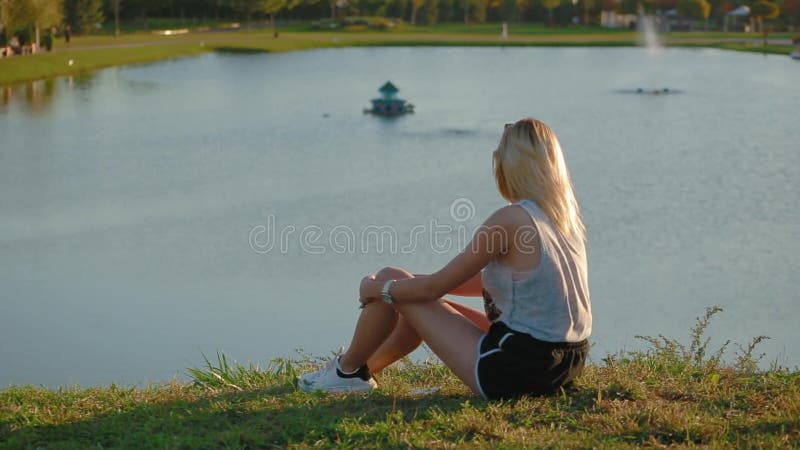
{"x":551,"y":303}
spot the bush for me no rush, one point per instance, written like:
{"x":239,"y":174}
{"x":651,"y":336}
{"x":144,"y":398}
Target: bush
{"x":47,"y":41}
{"x":764,"y":10}
{"x":354,"y":23}
{"x":694,"y":9}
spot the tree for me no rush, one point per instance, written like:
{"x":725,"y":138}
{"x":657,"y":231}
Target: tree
{"x":431,"y":11}
{"x":269,"y":7}
{"x":694,"y":9}
{"x":394,"y":8}
{"x":6,"y":18}
{"x":725,"y":7}
{"x":550,"y":5}
{"x":272,"y":7}
{"x":474,"y":10}
{"x":115,"y":6}
{"x":448,"y":10}
{"x":415,"y":6}
{"x":83,"y":15}
{"x":791,"y":10}
{"x":247,"y":7}
{"x":140,"y":8}
{"x":520,"y":6}
{"x":332,"y":4}
{"x":666,"y":5}
{"x":39,"y":14}
{"x":761,"y":10}
{"x":495,"y":8}
{"x":364,"y":7}
{"x":585,"y":6}
{"x":608,"y":5}
{"x":764,"y":9}
{"x":629,"y":7}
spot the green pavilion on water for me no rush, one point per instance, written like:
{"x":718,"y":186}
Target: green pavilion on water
{"x":389,"y":104}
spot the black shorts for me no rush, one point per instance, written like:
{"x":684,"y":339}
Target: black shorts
{"x":511,"y":364}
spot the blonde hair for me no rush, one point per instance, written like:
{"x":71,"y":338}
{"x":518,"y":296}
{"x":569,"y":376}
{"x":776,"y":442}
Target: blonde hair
{"x":529,"y":164}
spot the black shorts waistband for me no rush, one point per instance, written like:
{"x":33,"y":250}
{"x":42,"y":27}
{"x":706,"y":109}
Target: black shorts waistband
{"x":500,"y":328}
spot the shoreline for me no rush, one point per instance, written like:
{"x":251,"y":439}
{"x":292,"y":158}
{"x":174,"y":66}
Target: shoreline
{"x":98,"y":52}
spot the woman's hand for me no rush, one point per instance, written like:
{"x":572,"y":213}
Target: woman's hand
{"x":369,"y":291}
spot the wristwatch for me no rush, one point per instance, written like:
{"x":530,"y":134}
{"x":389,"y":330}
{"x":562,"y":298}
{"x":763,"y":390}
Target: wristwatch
{"x":386,"y":296}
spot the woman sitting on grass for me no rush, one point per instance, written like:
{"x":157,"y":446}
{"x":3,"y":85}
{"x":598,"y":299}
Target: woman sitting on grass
{"x":528,"y":261}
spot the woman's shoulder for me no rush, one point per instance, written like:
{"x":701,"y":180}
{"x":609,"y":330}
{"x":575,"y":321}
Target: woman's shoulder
{"x":510,"y":216}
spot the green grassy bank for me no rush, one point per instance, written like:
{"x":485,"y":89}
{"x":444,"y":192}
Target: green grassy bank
{"x":94,"y":52}
{"x":671,"y":395}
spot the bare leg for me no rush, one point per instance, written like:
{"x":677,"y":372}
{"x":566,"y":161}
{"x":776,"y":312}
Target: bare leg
{"x":372,"y":344}
{"x":451,"y":336}
{"x":377,"y":325}
{"x":400,"y":343}
{"x":376,"y":322}
{"x":405,"y":340}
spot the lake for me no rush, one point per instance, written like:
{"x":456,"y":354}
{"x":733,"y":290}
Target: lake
{"x":229,"y":202}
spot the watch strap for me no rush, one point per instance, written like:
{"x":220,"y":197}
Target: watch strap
{"x":386,"y":296}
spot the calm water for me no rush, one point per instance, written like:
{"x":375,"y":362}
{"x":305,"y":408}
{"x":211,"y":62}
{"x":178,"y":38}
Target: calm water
{"x":128,"y":198}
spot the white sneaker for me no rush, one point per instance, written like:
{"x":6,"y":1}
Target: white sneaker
{"x":331,"y":379}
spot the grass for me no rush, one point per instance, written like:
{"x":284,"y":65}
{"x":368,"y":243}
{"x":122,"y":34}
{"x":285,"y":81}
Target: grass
{"x":94,"y":52}
{"x":54,"y":64}
{"x":162,"y":23}
{"x":756,"y":48}
{"x":672,"y":394}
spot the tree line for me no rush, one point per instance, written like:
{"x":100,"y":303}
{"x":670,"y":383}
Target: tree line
{"x":430,"y":12}
{"x":27,"y":18}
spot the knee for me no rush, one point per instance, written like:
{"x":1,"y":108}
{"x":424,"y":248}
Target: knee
{"x":392,"y":273}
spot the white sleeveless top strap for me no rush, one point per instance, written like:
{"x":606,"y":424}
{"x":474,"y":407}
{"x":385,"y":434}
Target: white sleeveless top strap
{"x":551,"y":303}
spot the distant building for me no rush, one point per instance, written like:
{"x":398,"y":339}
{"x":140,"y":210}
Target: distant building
{"x":389,"y":104}
{"x":613,"y":19}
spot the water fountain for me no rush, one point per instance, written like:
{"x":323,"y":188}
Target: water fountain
{"x":646,"y":27}
{"x":648,"y":38}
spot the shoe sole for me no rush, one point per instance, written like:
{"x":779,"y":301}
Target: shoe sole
{"x":339,"y":389}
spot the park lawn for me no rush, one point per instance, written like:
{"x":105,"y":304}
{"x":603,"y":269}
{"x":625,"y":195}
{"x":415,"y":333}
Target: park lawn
{"x":672,"y":394}
{"x":728,"y":35}
{"x":58,"y":63}
{"x":645,"y":400}
{"x":513,"y":28}
{"x":163,"y":23}
{"x":94,"y":52}
{"x":756,"y":48}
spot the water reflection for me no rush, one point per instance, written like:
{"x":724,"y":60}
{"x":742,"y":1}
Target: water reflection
{"x":81,"y":81}
{"x":36,"y":97}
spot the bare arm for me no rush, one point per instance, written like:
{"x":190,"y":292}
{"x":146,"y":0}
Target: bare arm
{"x":470,"y":288}
{"x":490,"y":241}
